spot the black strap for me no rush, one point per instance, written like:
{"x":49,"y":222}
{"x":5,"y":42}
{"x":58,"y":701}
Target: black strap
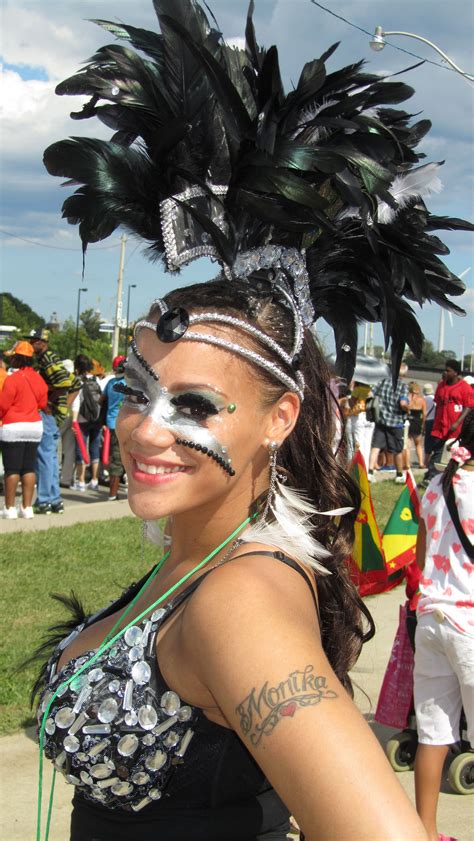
{"x":280,"y":556}
{"x":173,"y":605}
{"x":453,"y":511}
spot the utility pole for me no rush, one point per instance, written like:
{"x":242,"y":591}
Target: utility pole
{"x":118,"y":309}
{"x":441,"y":330}
{"x":462,"y":352}
{"x":371,"y":339}
{"x":366,"y":333}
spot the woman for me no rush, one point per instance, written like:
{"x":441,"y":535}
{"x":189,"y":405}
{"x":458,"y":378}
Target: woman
{"x":444,"y":653}
{"x":21,"y":398}
{"x":211,"y":701}
{"x":428,"y":394}
{"x":86,"y":412}
{"x":360,"y":428}
{"x":244,"y":646}
{"x":416,"y":420}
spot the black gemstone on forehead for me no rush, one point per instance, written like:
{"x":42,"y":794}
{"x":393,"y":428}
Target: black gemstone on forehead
{"x":172,"y":325}
{"x":141,"y":359}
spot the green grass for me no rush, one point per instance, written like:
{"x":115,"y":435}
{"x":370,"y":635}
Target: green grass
{"x":97,"y":561}
{"x":384,"y":497}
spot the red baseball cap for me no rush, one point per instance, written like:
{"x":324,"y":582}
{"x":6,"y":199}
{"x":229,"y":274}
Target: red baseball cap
{"x":118,"y":360}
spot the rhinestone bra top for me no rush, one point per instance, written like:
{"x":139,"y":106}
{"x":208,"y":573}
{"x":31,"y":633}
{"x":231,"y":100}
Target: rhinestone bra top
{"x":112,"y":732}
{"x":126,"y":741}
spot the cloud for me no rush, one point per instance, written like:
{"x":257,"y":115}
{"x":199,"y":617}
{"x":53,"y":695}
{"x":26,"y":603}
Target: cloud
{"x":44,"y":42}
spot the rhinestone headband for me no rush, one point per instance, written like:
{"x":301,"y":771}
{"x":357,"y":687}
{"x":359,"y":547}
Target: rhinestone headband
{"x":295,"y":383}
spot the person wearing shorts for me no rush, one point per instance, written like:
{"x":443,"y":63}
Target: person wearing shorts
{"x":453,"y":398}
{"x":113,"y":400}
{"x":21,"y":399}
{"x":389,"y":429}
{"x":444,"y":640}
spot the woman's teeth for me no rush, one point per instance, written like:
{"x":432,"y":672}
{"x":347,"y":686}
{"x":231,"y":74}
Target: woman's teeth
{"x":152,"y":468}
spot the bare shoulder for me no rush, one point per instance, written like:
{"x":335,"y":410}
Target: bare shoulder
{"x":250,"y":596}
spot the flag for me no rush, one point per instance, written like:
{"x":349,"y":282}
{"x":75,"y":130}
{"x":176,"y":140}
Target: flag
{"x":367,"y":564}
{"x":399,"y":537}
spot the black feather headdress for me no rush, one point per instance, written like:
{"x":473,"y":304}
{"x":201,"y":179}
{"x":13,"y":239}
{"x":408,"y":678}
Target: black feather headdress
{"x":210,"y":156}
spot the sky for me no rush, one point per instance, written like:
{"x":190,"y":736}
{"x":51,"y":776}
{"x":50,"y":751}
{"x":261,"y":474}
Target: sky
{"x":45,"y":41}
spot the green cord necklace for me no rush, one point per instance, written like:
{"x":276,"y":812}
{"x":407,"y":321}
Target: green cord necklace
{"x":107,"y":643}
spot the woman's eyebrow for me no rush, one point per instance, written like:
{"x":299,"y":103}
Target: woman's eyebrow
{"x":185,"y":386}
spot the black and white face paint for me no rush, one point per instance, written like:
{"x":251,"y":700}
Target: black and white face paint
{"x":184,"y":412}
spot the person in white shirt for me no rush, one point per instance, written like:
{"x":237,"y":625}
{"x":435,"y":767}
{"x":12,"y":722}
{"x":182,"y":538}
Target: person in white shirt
{"x":444,"y":641}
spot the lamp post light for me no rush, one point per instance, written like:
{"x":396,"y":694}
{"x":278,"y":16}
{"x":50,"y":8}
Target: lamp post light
{"x":378,"y":43}
{"x":76,"y":343}
{"x":130,"y":286}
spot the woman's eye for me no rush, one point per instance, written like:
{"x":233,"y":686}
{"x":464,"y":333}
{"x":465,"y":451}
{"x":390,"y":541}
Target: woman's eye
{"x":194,"y":406}
{"x":134,"y":396}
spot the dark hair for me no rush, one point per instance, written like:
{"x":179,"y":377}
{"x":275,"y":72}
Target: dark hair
{"x":307,"y":457}
{"x":82,"y":364}
{"x":454,"y":364}
{"x":20,"y":361}
{"x":465,"y":439}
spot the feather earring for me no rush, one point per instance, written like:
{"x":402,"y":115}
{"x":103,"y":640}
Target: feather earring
{"x":272,"y":450}
{"x":286,"y":521}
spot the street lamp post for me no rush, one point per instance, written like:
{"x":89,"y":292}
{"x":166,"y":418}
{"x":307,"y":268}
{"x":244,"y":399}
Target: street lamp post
{"x":130,"y":286}
{"x":378,"y":43}
{"x":76,"y":343}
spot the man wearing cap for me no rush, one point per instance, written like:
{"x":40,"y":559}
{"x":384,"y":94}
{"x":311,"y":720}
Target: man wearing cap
{"x":62,"y":388}
{"x":453,"y":398}
{"x":113,"y":400}
{"x":21,"y":399}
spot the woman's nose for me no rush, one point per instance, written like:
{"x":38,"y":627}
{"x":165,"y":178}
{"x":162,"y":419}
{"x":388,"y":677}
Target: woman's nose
{"x":151,"y":433}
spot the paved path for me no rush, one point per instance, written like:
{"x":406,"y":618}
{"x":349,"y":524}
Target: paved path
{"x":79,"y":508}
{"x":19,"y":756}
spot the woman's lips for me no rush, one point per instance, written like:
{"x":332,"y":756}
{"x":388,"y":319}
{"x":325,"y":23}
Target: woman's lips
{"x":157,"y":474}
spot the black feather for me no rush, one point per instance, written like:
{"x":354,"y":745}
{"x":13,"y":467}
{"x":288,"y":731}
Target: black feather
{"x":307,"y":168}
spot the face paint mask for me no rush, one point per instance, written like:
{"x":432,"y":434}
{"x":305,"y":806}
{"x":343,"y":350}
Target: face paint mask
{"x":182,"y":412}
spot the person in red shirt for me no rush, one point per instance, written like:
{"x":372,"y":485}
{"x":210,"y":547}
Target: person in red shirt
{"x":3,"y":371}
{"x":21,"y":398}
{"x":453,"y":399}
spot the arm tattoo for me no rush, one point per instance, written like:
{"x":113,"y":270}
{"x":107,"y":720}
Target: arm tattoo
{"x":261,"y":710}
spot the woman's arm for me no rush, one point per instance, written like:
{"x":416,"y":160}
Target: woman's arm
{"x":423,"y":410}
{"x":7,"y":395}
{"x":75,"y":406}
{"x":252,"y":631}
{"x":421,"y":545}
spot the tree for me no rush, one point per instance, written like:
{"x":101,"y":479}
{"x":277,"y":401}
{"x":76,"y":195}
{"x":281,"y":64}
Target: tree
{"x":64,"y":341}
{"x":90,"y":321}
{"x":430,"y":357}
{"x":17,"y":313}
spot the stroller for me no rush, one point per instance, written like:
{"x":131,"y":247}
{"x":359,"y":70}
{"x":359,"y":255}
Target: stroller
{"x":396,"y":709}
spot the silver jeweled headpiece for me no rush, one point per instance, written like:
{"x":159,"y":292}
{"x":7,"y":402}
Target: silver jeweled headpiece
{"x":185,"y":239}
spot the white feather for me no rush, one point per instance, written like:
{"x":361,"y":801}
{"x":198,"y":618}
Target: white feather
{"x":154,"y":534}
{"x":290,"y":532}
{"x":422,"y":181}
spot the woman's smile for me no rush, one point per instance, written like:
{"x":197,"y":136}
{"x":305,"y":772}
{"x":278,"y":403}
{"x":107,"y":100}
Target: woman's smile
{"x":156,"y":471}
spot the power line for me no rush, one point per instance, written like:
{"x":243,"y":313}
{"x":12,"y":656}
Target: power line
{"x":388,"y":43}
{"x":56,"y":247}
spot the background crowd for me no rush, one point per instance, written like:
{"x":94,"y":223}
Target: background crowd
{"x":389,"y":422}
{"x":57,"y":424}
{"x":57,"y":427}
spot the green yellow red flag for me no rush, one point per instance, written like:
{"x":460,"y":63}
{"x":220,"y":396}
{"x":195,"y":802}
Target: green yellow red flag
{"x":399,"y":537}
{"x":367,"y":564}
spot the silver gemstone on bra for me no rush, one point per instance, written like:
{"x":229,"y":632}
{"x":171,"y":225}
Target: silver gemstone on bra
{"x":147,"y":717}
{"x":170,"y":702}
{"x":108,"y":710}
{"x":141,"y":672}
{"x":133,"y":635}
